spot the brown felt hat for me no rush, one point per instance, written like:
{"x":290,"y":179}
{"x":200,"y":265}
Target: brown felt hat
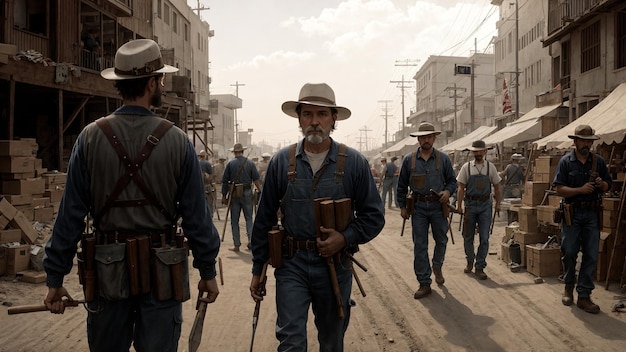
{"x":584,"y":132}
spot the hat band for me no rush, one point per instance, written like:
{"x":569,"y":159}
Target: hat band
{"x":318,"y":99}
{"x":147,"y":69}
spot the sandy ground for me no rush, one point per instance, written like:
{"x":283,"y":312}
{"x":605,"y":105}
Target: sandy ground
{"x":508,"y":312}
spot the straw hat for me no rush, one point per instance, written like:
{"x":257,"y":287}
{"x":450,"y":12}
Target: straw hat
{"x":318,"y":94}
{"x":425,"y":129}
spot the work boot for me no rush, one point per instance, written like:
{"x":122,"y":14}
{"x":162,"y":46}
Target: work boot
{"x":439,"y":279}
{"x":235,"y":249}
{"x":568,"y":295}
{"x":480,"y":274}
{"x":423,"y":291}
{"x":469,"y":267}
{"x":587,"y":305}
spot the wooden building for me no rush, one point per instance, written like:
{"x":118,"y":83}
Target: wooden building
{"x":50,"y":86}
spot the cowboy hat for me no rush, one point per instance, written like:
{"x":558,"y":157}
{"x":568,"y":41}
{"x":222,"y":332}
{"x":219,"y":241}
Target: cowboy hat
{"x":425,"y":129}
{"x":516,"y":156}
{"x":136,"y":59}
{"x":238,"y":148}
{"x":584,"y":132}
{"x":202,"y":153}
{"x":477,"y":145}
{"x":266,"y":155}
{"x":318,"y":94}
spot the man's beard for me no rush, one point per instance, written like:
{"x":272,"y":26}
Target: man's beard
{"x":315,"y":138}
{"x":155,"y":99}
{"x":478,"y":158}
{"x":584,"y":151}
{"x":426,"y":146}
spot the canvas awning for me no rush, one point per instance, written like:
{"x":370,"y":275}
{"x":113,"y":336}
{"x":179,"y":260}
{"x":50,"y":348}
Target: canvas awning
{"x":401,"y":148}
{"x":606,"y":118}
{"x":526,"y":128}
{"x":466,"y":141}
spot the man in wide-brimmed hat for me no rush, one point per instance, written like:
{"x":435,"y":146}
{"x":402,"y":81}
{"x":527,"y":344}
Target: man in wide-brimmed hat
{"x":135,"y":174}
{"x":475,"y":180}
{"x":513,"y":177}
{"x":316,"y":167}
{"x":427,"y":173}
{"x":239,"y":181}
{"x":581,"y":178}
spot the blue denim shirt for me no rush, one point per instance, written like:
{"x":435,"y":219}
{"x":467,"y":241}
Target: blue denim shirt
{"x":572,"y":173}
{"x":77,"y":202}
{"x":247,"y":176}
{"x":358,"y":185}
{"x":445,"y":180}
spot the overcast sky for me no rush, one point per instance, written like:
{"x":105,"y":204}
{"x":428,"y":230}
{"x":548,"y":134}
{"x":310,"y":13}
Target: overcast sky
{"x":273,"y":47}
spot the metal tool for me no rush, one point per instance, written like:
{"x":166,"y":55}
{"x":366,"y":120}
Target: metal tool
{"x":195,"y":336}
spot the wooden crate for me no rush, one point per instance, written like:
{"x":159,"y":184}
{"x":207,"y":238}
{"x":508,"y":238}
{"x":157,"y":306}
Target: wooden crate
{"x":543,"y":262}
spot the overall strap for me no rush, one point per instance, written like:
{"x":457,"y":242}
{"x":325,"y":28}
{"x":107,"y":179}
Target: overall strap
{"x":291,"y":171}
{"x":132,"y":168}
{"x":341,"y":160}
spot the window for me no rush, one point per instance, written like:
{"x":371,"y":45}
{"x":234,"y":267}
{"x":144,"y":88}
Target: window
{"x":174,"y":22}
{"x":31,"y":16}
{"x":166,"y":13}
{"x":186,"y":32}
{"x":565,"y":64}
{"x":158,"y":8}
{"x":200,"y":80}
{"x":620,"y":39}
{"x":590,"y":47}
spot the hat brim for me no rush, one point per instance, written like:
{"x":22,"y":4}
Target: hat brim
{"x":289,"y":108}
{"x":474,"y":149}
{"x":424,"y":133}
{"x":238,"y":150}
{"x":592,"y":137}
{"x":109,"y":73}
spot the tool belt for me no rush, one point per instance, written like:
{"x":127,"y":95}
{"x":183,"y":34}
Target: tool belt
{"x":425,"y":198}
{"x":585,"y":205}
{"x":117,"y":265}
{"x":478,"y":198}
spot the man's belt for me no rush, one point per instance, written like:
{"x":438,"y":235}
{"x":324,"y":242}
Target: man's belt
{"x":478,"y":198}
{"x":247,"y":186}
{"x":302,"y":245}
{"x":122,"y":236}
{"x":585,"y":205}
{"x":426,"y":198}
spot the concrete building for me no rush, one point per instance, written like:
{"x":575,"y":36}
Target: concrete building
{"x":223,"y":118}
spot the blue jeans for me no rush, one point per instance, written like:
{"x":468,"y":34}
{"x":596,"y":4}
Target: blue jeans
{"x":428,"y":213}
{"x":478,"y":213}
{"x":388,"y":189}
{"x":583,"y":235}
{"x":236,"y":205}
{"x":304,"y":281}
{"x":152,"y":325}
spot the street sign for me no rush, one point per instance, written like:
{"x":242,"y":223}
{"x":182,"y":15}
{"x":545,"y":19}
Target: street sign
{"x":462,"y":70}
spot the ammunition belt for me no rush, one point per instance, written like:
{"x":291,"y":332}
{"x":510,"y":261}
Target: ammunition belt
{"x":301,"y":245}
{"x":121,"y":236}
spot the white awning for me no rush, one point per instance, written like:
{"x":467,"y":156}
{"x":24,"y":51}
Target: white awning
{"x":466,"y":141}
{"x":401,"y":148}
{"x":526,"y":128}
{"x":606,"y":118}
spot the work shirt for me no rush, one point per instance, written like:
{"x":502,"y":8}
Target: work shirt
{"x":390,"y":170}
{"x":172,"y":173}
{"x":572,"y":173}
{"x":485,"y":177}
{"x":205,"y":166}
{"x":358,"y":185}
{"x":514,"y":174}
{"x":444,"y":179}
{"x":247,"y":176}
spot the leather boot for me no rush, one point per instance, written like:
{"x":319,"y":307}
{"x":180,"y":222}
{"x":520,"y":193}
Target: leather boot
{"x":469,"y":267}
{"x":587,"y":305}
{"x":423,"y":291}
{"x":568,"y":295}
{"x":235,"y":249}
{"x":439,"y":279}
{"x":480,"y":274}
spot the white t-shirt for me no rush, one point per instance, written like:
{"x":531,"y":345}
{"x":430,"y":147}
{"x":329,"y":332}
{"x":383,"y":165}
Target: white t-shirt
{"x":316,"y":160}
{"x":476,"y":169}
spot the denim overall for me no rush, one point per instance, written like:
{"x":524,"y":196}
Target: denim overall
{"x":304,"y":279}
{"x":424,"y":214}
{"x":478,"y":212}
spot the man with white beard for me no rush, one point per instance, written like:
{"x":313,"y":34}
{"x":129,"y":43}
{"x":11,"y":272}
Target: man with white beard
{"x":315,"y":167}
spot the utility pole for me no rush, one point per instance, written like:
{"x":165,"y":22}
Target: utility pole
{"x":200,"y":8}
{"x":364,"y":129}
{"x":472,"y":112}
{"x":406,"y":62}
{"x":237,"y":85}
{"x":455,"y":96}
{"x":386,"y":116}
{"x":517,"y":85}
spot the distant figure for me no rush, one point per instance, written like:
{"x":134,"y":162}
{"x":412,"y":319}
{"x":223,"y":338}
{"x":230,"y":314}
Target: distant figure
{"x":513,"y":177}
{"x":388,"y":174}
{"x":91,"y":41}
{"x":207,"y":171}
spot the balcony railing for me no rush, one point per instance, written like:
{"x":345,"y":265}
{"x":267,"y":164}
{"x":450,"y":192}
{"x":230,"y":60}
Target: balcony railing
{"x":561,"y":13}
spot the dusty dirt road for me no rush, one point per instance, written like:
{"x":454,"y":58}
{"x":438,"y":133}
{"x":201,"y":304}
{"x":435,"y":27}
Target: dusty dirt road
{"x":508,"y":312}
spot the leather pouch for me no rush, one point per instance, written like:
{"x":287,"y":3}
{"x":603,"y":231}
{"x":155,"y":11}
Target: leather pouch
{"x":112,"y":271}
{"x":170,"y":274}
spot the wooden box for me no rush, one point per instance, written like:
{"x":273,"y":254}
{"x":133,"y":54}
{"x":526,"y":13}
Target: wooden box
{"x":524,"y":238}
{"x":609,"y":218}
{"x":12,"y":235}
{"x":604,"y":255}
{"x":15,"y":164}
{"x":545,"y":214}
{"x":528,"y":219}
{"x":610,"y":203}
{"x":7,"y":209}
{"x":543,"y":262}
{"x":28,"y":186}
{"x":554,"y":200}
{"x":33,"y":276}
{"x":18,"y":258}
{"x":546,"y":165}
{"x":534,"y":192}
{"x":17,"y":148}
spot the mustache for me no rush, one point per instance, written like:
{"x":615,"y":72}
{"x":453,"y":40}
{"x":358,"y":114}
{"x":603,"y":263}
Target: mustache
{"x":313,"y":129}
